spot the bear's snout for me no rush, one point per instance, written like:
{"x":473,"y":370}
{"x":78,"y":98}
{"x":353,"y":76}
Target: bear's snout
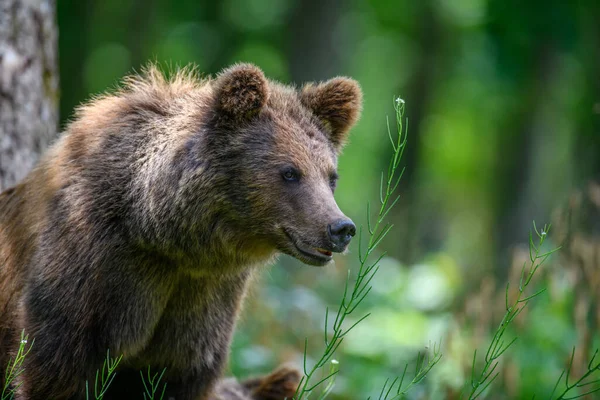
{"x":340,"y":233}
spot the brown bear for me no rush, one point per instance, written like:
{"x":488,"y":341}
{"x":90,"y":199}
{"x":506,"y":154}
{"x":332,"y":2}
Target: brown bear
{"x":141,"y":227}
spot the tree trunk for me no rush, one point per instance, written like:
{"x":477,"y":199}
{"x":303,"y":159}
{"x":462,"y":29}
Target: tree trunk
{"x":313,"y":55}
{"x":28,"y":85}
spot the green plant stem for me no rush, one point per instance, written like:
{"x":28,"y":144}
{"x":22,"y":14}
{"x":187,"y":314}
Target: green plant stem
{"x":422,"y":368}
{"x":104,"y":377}
{"x":152,"y":385}
{"x":480,"y":382}
{"x":592,"y":368}
{"x":355,"y":294}
{"x":15,"y":368}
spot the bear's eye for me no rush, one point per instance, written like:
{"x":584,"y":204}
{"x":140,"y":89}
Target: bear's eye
{"x":333,"y":178}
{"x":291,"y":175}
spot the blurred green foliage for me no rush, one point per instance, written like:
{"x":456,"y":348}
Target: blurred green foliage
{"x":503,"y":99}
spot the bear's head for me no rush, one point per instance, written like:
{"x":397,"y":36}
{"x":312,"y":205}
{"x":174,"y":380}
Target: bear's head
{"x":279,"y":147}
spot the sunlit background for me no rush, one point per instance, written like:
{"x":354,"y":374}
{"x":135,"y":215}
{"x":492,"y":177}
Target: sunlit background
{"x":503,"y":102}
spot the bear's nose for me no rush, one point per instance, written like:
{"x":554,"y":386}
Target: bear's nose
{"x":341,"y":232}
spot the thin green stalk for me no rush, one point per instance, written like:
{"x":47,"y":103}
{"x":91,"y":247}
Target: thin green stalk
{"x":355,"y":293}
{"x":424,"y":364}
{"x":104,"y":377}
{"x":479,"y":382}
{"x":15,"y":368}
{"x":152,"y":385}
{"x":592,"y":368}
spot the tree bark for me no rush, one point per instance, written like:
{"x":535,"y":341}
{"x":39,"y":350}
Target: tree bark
{"x":28,"y":85}
{"x":313,"y":55}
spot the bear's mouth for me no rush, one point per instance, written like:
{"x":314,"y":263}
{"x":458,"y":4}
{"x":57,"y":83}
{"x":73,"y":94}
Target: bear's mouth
{"x":308,"y":254}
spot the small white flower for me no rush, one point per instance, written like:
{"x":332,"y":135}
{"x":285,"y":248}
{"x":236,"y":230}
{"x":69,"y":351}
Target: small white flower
{"x":543,"y":233}
{"x":335,"y":362}
{"x":399,"y":100}
{"x":24,"y":341}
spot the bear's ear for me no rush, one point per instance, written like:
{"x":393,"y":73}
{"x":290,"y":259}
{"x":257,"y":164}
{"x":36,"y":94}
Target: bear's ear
{"x":240,"y":92}
{"x":337,"y":103}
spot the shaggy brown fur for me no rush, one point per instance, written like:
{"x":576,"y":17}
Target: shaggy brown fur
{"x":141,"y":227}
